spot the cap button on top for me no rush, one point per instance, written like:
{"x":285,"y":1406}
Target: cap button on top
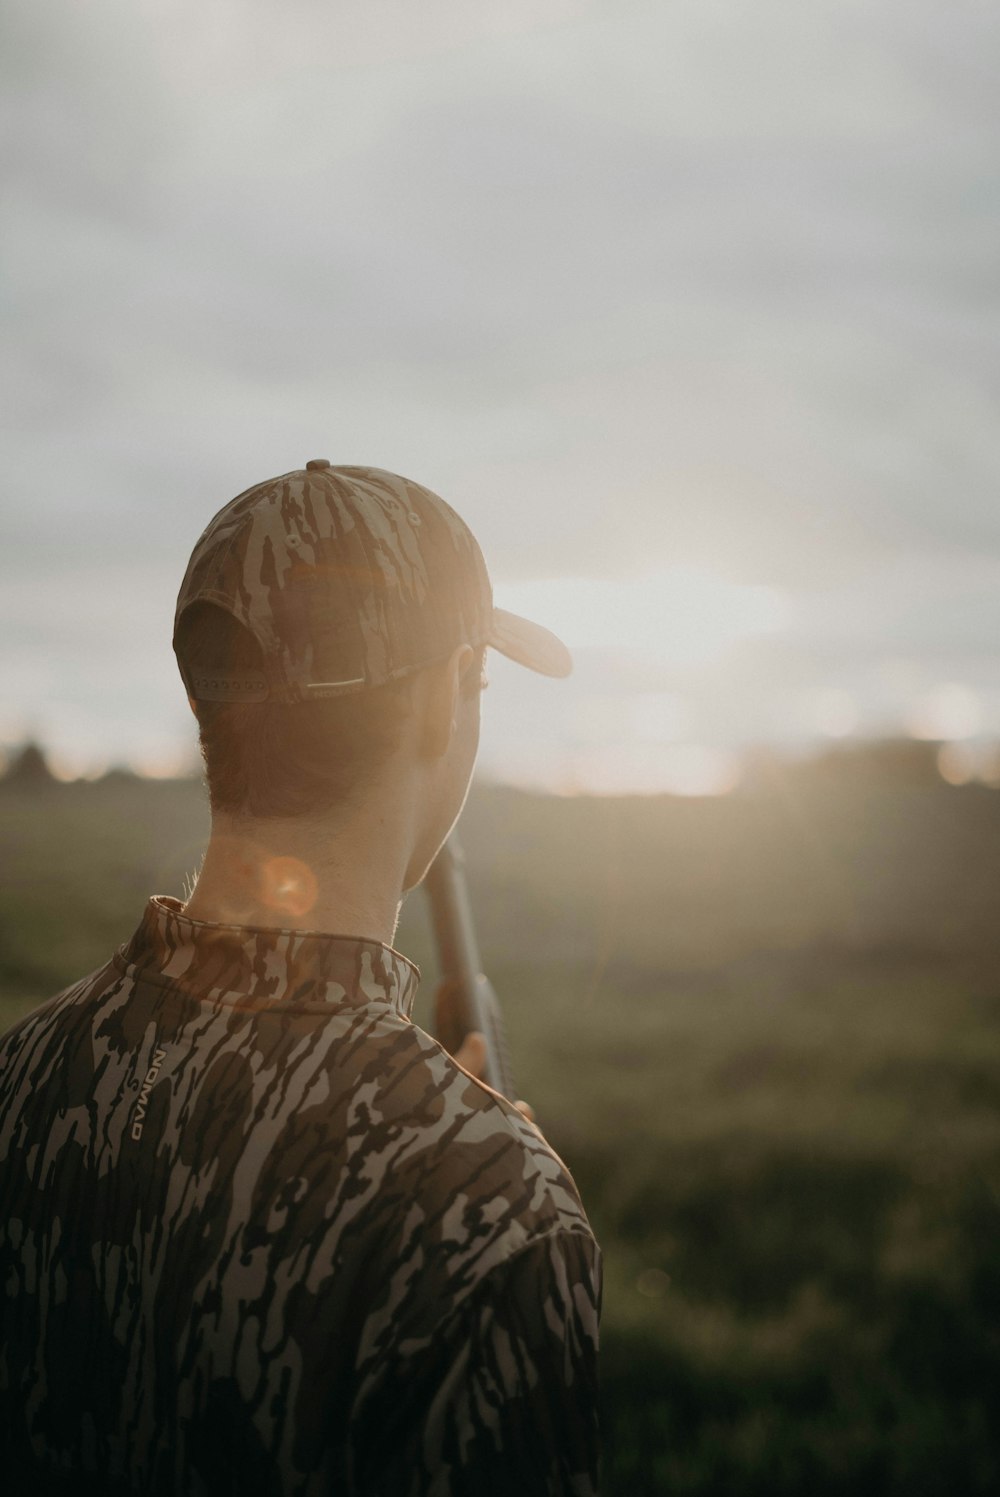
{"x":315,"y":463}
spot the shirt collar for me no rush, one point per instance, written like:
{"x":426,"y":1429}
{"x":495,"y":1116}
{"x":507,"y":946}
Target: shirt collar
{"x":251,"y":964}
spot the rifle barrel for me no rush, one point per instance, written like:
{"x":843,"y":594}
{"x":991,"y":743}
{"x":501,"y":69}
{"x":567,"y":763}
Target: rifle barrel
{"x":465,"y":999}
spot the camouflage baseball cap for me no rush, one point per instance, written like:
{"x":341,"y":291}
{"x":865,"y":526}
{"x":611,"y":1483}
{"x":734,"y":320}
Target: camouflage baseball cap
{"x":347,"y":578}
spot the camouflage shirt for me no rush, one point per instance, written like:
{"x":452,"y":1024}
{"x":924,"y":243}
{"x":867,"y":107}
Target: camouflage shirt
{"x":260,"y":1234}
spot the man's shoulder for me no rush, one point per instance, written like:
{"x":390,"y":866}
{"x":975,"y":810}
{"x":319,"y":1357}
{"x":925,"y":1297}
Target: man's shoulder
{"x":468,"y":1160}
{"x":47,"y":1016}
{"x":47,"y":1056}
{"x":462,"y":1188}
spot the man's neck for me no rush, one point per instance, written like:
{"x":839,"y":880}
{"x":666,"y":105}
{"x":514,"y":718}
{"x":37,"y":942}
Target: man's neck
{"x":343,"y":878}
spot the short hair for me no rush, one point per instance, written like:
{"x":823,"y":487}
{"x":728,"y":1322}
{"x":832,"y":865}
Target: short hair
{"x":285,"y":759}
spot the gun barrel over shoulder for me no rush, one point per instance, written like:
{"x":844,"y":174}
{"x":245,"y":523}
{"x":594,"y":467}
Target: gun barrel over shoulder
{"x":465,"y":1000}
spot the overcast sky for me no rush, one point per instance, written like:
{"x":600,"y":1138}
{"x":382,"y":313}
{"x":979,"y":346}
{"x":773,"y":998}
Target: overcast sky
{"x":696,"y":301}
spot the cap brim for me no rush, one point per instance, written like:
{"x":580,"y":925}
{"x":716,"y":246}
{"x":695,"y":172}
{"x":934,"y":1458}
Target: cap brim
{"x":529,"y":644}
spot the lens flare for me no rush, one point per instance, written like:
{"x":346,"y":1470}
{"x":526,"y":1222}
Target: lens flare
{"x":288,"y":886}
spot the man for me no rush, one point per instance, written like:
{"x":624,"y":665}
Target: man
{"x":258,"y":1232}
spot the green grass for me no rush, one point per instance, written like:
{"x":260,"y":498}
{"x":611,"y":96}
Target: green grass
{"x":765,"y":1035}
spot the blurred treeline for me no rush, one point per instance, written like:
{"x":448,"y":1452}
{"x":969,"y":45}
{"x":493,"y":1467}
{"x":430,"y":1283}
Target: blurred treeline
{"x":764,"y":1032}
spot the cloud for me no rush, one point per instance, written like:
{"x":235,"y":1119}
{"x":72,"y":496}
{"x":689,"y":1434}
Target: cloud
{"x":635,"y":286}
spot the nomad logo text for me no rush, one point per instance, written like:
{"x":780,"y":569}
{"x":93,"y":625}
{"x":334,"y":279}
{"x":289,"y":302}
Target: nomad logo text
{"x":143,"y":1098}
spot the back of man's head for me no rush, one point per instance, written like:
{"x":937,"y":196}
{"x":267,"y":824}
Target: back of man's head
{"x":311,"y":606}
{"x":270,"y":760}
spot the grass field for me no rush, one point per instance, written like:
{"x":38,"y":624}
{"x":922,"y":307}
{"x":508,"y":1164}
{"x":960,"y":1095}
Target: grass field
{"x":764,"y":1032}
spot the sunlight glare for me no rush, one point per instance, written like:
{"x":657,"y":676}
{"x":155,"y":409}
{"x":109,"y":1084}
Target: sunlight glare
{"x":956,"y":765}
{"x":652,"y":716}
{"x":834,"y":713}
{"x":965,"y":763}
{"x":951,"y":711}
{"x":686,"y":769}
{"x":684,"y":616}
{"x":659,"y":716}
{"x":166,"y":763}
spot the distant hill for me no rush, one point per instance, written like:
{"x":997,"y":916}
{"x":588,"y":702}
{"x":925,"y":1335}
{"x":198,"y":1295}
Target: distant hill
{"x":806,"y":858}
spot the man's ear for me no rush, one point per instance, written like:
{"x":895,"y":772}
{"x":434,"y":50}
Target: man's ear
{"x":441,"y":701}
